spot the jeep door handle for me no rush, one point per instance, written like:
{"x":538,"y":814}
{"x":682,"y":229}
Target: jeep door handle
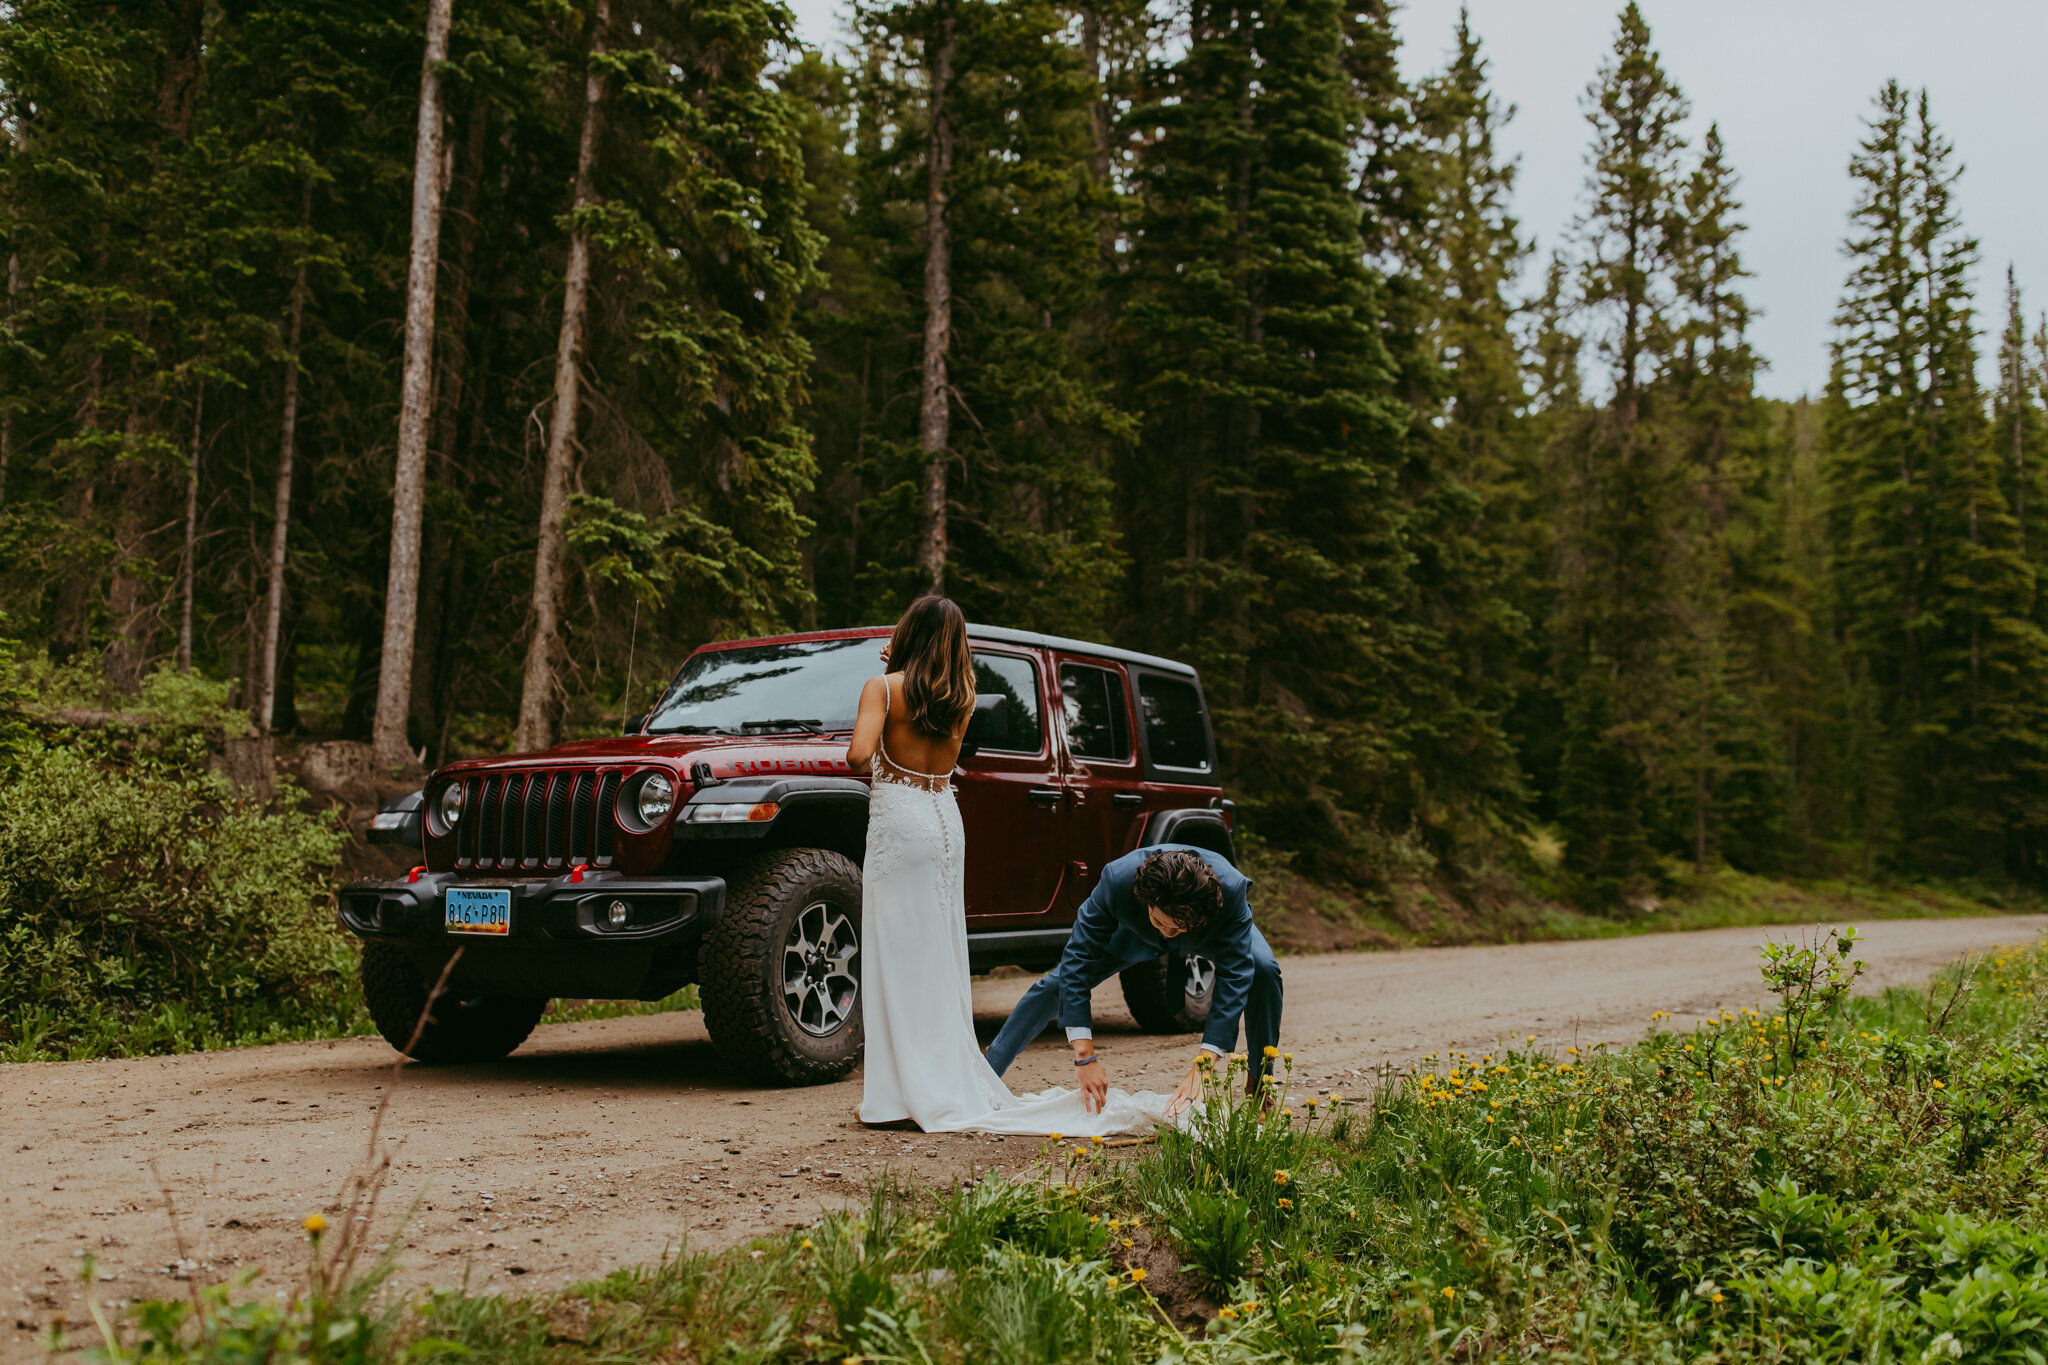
{"x":1044,"y":796}
{"x":1129,"y":798}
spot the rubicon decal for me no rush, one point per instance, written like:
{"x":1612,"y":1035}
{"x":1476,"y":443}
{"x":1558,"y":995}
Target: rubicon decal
{"x":752,"y":767}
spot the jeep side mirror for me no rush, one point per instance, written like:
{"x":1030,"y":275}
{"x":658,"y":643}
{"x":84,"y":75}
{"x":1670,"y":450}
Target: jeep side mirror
{"x":634,"y":724}
{"x":989,"y":725}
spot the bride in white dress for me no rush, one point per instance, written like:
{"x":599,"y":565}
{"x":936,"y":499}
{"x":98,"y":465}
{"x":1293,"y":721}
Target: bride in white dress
{"x":917,"y":1003}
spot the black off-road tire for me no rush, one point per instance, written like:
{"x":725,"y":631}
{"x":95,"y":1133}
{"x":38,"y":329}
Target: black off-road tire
{"x":479,"y":1028}
{"x":741,"y":968}
{"x":1168,"y":995}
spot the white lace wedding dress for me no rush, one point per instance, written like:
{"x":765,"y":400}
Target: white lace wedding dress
{"x":917,"y":1001}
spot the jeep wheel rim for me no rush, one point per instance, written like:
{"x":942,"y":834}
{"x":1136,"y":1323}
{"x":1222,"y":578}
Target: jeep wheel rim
{"x":819,"y":984}
{"x":1201,"y":980}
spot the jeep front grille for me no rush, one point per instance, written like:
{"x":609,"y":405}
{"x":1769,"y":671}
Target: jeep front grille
{"x":539,"y":819}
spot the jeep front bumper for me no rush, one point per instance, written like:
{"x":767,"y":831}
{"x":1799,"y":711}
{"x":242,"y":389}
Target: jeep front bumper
{"x":657,"y":910}
{"x":564,"y":938}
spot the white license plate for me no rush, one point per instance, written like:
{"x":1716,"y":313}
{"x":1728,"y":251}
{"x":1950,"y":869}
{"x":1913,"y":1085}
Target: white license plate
{"x":477,"y":910}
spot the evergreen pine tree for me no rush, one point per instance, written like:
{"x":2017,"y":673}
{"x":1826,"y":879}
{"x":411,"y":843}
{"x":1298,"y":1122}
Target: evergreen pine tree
{"x":1442,"y":203}
{"x":1027,"y":500}
{"x":1269,"y":522}
{"x":1934,"y":600}
{"x":1620,"y":481}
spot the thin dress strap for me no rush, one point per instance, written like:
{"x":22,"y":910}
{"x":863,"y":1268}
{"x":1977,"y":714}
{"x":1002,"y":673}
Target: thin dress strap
{"x":882,"y":746}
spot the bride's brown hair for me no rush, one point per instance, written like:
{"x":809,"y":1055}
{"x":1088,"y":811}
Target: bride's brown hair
{"x":930,"y":648}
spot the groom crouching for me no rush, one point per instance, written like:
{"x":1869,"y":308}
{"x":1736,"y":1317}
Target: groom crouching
{"x":1170,"y":891}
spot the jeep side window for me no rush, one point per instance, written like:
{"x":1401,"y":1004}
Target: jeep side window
{"x":1098,"y":726}
{"x":1009,"y":718}
{"x":1176,"y":732}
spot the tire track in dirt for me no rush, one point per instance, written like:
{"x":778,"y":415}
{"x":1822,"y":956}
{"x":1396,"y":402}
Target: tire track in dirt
{"x":603,"y":1144}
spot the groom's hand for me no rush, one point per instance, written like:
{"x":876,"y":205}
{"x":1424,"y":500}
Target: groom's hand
{"x":1189,"y":1092}
{"x":1094,"y":1080}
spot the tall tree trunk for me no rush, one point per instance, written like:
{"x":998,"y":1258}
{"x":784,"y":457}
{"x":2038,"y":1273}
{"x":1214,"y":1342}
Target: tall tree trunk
{"x":134,"y":612}
{"x":281,"y":511}
{"x":74,"y":629}
{"x":1099,"y":135}
{"x":537,"y":693}
{"x":187,"y":561}
{"x":440,"y":559}
{"x":388,"y":741}
{"x":934,"y":427}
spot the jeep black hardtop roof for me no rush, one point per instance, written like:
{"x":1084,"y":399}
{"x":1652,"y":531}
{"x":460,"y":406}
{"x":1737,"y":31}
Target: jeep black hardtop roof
{"x":996,"y":634}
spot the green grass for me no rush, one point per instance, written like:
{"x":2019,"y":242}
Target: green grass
{"x":1874,"y":1192}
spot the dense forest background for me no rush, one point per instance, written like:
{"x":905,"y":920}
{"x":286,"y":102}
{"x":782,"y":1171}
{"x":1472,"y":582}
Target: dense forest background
{"x":443,"y":377}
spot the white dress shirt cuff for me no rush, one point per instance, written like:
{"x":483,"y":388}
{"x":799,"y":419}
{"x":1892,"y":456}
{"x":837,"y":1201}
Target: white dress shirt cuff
{"x":1075,"y":1035}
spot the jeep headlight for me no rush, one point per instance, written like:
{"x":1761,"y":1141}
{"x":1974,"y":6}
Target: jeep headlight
{"x":448,"y":806}
{"x":657,"y":796}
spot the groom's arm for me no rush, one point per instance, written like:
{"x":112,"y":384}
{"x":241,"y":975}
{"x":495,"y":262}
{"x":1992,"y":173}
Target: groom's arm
{"x":1232,"y":955}
{"x":1087,"y":944}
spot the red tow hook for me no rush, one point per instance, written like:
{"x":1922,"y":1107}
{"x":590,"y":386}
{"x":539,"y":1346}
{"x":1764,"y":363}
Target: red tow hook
{"x":414,"y":875}
{"x":576,"y":872}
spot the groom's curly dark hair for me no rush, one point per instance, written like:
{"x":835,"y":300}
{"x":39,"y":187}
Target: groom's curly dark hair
{"x":1180,"y":884}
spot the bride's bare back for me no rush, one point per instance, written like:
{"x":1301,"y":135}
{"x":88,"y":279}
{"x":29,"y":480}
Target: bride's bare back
{"x":883,"y":726}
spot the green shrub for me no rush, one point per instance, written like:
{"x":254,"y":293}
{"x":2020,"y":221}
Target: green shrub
{"x":145,"y":907}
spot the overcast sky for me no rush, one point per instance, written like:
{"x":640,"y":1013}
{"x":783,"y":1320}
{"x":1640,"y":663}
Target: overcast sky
{"x":1789,"y":82}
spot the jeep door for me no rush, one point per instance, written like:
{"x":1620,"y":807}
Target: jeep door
{"x":1105,"y":786}
{"x":1011,"y":796}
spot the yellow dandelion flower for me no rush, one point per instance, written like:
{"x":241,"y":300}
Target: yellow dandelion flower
{"x":1450,"y":1293}
{"x":1096,"y":1139}
{"x":1719,"y":1298}
{"x":1137,"y":1274}
{"x":1270,"y":1052}
{"x":1057,"y":1137}
{"x":1287,"y":1203}
{"x":1282,"y":1177}
{"x":315,"y":1224}
{"x":1938,"y":1085}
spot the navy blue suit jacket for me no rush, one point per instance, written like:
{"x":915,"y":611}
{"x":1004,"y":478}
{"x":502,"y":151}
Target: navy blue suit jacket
{"x":1113,"y":931}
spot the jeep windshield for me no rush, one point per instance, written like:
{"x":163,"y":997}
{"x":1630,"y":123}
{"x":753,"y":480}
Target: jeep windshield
{"x":805,"y":686}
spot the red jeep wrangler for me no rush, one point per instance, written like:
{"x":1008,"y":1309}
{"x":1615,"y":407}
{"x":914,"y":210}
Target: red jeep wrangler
{"x":720,"y":842}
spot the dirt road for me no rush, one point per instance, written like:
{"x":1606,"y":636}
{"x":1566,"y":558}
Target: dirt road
{"x":601,"y":1144}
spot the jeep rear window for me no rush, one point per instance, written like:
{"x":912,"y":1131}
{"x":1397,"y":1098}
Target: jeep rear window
{"x":1015,"y":724}
{"x":1097,"y":724}
{"x":763,"y":688}
{"x":1176,"y":732}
